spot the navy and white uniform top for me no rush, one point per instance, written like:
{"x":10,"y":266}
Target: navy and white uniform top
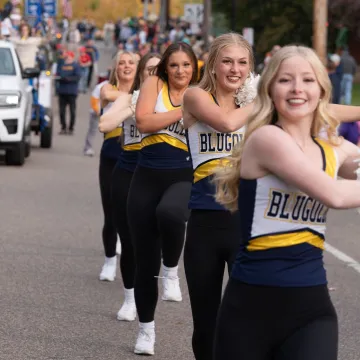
{"x":131,"y":141}
{"x":209,"y":149}
{"x":283,"y":231}
{"x":167,"y":148}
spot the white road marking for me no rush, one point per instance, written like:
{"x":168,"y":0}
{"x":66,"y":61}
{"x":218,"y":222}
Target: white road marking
{"x":343,"y":257}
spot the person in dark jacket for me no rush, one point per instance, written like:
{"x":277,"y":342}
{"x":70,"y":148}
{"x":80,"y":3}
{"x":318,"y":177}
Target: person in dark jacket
{"x":335,"y":75}
{"x":69,"y":74}
{"x":93,"y":52}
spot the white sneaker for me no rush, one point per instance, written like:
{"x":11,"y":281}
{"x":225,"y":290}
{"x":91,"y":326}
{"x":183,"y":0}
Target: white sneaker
{"x":108,"y":271}
{"x":171,"y":289}
{"x":127,"y":312}
{"x":145,"y":342}
{"x":118,"y":246}
{"x":89,"y":152}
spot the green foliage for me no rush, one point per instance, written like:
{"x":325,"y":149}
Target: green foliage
{"x":274,"y":21}
{"x":94,"y":5}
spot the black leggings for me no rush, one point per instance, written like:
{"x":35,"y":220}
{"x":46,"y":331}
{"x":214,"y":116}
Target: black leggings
{"x":212,"y":240}
{"x":121,"y":181}
{"x":273,"y":323}
{"x":157,"y":210}
{"x":109,"y":230}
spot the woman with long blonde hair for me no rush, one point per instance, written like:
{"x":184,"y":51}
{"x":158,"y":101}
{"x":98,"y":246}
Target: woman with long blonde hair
{"x":214,"y":116}
{"x":122,"y":114}
{"x":282,"y":179}
{"x":120,"y":82}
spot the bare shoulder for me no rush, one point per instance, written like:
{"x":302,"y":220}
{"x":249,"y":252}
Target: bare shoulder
{"x":194,"y":92}
{"x":267,"y":136}
{"x":153,"y":82}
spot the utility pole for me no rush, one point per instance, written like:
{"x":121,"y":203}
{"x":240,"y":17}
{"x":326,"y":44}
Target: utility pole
{"x":164,"y":14}
{"x":320,"y":17}
{"x":207,"y":22}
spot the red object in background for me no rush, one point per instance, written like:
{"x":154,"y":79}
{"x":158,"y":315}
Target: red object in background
{"x":103,"y":77}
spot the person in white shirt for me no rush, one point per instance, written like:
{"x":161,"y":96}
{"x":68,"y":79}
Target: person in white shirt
{"x":94,"y":119}
{"x":6,"y":28}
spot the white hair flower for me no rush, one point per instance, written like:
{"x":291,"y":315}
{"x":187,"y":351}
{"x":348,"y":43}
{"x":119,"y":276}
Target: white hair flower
{"x":248,"y":91}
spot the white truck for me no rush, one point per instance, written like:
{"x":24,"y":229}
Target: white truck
{"x":16,"y":102}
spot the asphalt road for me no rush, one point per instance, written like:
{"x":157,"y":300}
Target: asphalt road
{"x":52,"y":304}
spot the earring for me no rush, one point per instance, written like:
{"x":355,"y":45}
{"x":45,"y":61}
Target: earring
{"x":213,"y":71}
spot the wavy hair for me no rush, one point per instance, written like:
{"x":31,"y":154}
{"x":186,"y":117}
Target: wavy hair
{"x":208,"y":81}
{"x":227,"y":177}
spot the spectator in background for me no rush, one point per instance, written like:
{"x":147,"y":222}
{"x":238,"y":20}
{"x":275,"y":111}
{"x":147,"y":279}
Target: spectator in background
{"x":69,"y":74}
{"x":26,"y":46}
{"x":94,"y":119}
{"x":74,"y":36}
{"x":270,"y":54}
{"x":335,"y":77}
{"x":109,"y":28}
{"x":93,"y":52}
{"x":6,"y":29}
{"x":350,"y":132}
{"x":117,"y":32}
{"x":349,"y":68}
{"x":85,"y":63}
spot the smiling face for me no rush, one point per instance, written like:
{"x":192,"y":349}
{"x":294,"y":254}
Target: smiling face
{"x":295,"y":90}
{"x":179,"y":69}
{"x":126,"y":68}
{"x":232,"y":67}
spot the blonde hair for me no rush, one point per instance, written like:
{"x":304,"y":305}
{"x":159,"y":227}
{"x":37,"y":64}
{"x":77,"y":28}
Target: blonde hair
{"x":208,"y":81}
{"x":114,"y":77}
{"x":264,"y":113}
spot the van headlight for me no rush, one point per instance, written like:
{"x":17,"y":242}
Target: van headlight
{"x":9,"y":100}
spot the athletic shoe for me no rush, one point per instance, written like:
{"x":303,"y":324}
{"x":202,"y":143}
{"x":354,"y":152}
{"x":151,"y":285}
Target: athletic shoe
{"x":62,"y":132}
{"x":108,"y":271}
{"x":127,"y":312}
{"x":89,"y":152}
{"x":171,"y":289}
{"x":145,"y":342}
{"x":118,"y":246}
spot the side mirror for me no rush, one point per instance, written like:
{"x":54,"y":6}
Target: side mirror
{"x":30,"y":73}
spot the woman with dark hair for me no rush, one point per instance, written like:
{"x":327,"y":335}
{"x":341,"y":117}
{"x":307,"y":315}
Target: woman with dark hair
{"x":121,"y":114}
{"x":120,"y":82}
{"x":160,"y":189}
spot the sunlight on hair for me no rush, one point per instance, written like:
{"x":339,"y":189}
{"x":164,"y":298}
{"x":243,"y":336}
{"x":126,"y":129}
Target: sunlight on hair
{"x":227,"y":177}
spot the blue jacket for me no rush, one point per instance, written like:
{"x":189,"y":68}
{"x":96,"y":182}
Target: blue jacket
{"x":69,"y":78}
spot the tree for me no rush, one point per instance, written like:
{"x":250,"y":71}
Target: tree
{"x":344,"y":13}
{"x":274,"y":21}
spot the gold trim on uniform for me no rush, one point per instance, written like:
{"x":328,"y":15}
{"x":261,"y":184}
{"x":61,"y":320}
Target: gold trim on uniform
{"x":115,"y":133}
{"x":330,"y":157}
{"x":163,"y":138}
{"x":207,"y":169}
{"x":166,"y":98}
{"x":285,"y":240}
{"x":132,"y":147}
